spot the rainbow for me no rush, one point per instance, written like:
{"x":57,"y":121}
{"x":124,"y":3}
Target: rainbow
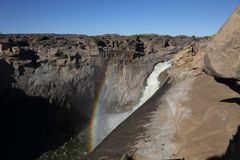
{"x":97,"y":108}
{"x":98,"y":105}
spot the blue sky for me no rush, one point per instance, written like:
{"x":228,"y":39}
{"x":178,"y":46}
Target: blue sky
{"x":127,"y":17}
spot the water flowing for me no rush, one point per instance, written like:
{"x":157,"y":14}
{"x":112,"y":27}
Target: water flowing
{"x":110,"y":121}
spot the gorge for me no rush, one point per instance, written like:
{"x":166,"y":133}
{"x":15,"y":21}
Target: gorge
{"x":68,"y":74}
{"x":106,"y":122}
{"x":112,"y":97}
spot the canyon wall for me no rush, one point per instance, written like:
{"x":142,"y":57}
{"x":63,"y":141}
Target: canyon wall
{"x":67,"y":70}
{"x":65,"y":73}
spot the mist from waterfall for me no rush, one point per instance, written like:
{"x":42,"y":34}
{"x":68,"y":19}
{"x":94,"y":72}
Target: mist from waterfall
{"x":111,"y":120}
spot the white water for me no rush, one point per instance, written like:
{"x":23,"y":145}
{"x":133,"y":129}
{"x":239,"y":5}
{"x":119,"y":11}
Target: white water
{"x":114,"y":119}
{"x":153,"y":84}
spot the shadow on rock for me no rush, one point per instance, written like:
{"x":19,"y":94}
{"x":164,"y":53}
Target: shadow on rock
{"x":30,"y":125}
{"x":233,"y":150}
{"x":232,"y":100}
{"x":231,"y":83}
{"x":28,"y":55}
{"x":6,"y":72}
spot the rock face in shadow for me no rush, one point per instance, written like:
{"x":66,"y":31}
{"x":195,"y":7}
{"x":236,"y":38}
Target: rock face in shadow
{"x":30,"y":124}
{"x":6,"y":71}
{"x":222,"y":57}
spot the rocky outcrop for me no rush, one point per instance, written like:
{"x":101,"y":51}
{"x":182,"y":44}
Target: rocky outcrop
{"x":191,"y":58}
{"x":58,"y":67}
{"x":222,"y":57}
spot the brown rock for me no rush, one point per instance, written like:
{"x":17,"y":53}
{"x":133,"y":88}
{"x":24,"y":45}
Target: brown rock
{"x":183,"y":57}
{"x":223,"y":52}
{"x":197,"y":62}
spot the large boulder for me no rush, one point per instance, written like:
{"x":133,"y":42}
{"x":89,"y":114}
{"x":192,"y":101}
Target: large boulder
{"x":222,"y":58}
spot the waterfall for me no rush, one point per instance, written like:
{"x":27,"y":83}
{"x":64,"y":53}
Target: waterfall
{"x":112,"y":120}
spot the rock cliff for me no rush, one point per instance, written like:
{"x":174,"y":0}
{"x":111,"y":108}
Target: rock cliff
{"x":65,"y":73}
{"x":58,"y":67}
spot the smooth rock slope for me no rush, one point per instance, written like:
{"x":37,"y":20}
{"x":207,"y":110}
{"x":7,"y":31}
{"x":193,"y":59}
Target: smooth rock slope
{"x":222,"y":57}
